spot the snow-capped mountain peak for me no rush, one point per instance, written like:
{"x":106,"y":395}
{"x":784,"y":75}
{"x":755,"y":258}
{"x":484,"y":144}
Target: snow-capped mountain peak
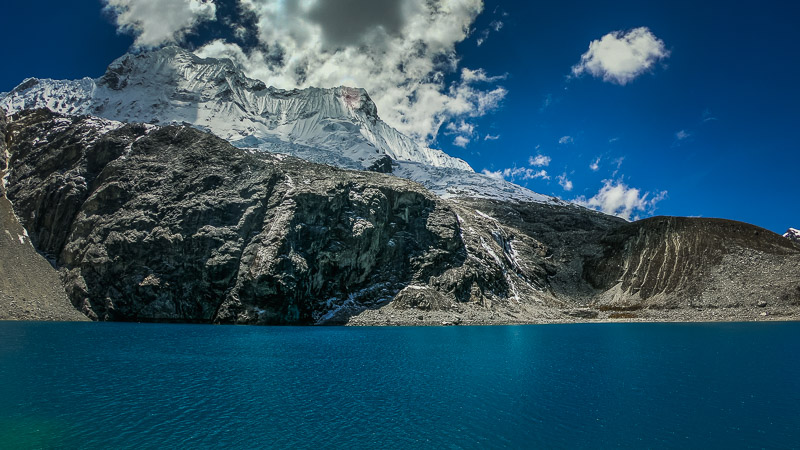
{"x":173,"y":85}
{"x":793,"y":234}
{"x":339,"y":126}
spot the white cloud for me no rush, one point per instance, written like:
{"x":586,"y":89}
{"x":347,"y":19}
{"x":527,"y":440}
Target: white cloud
{"x":539,"y":161}
{"x":619,"y":57}
{"x":534,"y":174}
{"x":400,"y":51}
{"x":595,"y":165}
{"x":517,"y":173}
{"x":482,"y":38}
{"x":462,"y":128}
{"x":479,"y":75}
{"x":497,"y":175}
{"x":491,"y":137}
{"x":155,"y":22}
{"x":616,"y":198}
{"x":681,"y":135}
{"x":461,"y":141}
{"x":618,"y":162}
{"x":566,"y":140}
{"x":565,"y":183}
{"x":495,"y":26}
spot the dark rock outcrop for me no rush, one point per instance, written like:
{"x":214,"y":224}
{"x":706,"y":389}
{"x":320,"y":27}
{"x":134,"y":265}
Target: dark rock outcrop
{"x":150,"y":223}
{"x":382,"y":165}
{"x":793,"y":235}
{"x":174,"y":224}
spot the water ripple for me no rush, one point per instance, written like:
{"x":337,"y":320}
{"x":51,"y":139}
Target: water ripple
{"x":626,"y":385}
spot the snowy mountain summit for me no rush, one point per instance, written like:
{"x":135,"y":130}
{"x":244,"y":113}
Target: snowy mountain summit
{"x":337,"y":126}
{"x":793,"y":234}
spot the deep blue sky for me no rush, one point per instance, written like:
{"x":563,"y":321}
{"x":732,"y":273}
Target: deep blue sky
{"x":735,"y":62}
{"x":730,"y":82}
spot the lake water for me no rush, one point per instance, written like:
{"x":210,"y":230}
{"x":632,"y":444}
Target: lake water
{"x":116,"y":385}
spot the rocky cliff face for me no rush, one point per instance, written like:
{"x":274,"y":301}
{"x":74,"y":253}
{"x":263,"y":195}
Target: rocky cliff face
{"x":152,"y":223}
{"x":173,"y":85}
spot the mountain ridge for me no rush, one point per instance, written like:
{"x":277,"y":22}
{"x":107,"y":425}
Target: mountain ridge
{"x":338,"y":126}
{"x":793,"y":234}
{"x":206,"y":232}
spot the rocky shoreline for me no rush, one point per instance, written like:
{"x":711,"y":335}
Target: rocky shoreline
{"x":390,"y":317}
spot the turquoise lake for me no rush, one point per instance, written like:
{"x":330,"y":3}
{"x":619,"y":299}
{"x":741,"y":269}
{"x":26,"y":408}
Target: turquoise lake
{"x":122,"y":385}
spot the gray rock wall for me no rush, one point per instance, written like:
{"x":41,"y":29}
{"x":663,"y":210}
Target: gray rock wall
{"x":152,"y":223}
{"x":173,"y":224}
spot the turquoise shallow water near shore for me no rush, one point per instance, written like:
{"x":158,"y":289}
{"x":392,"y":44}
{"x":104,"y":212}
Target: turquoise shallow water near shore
{"x":113,"y":385}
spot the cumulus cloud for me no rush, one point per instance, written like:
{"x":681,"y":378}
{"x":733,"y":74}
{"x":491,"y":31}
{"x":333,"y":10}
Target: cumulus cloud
{"x":565,"y":183}
{"x":461,"y":141}
{"x":595,"y":165}
{"x":516,"y":173}
{"x":539,"y":160}
{"x":155,"y":22}
{"x":564,"y":140}
{"x":618,"y":199}
{"x":462,"y":127}
{"x":400,"y":51}
{"x":344,"y":22}
{"x":619,"y":57}
{"x":491,"y":137}
{"x":523,"y":173}
{"x":540,"y":174}
{"x":496,"y":174}
{"x":464,"y":130}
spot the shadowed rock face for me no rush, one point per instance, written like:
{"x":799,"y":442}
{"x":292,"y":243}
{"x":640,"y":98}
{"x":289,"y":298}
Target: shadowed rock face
{"x":154,"y":223}
{"x":172,"y":223}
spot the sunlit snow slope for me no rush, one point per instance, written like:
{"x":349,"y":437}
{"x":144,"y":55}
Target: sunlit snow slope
{"x":338,"y":126}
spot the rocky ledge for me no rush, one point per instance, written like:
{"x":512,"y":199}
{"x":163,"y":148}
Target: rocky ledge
{"x":147,"y":223}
